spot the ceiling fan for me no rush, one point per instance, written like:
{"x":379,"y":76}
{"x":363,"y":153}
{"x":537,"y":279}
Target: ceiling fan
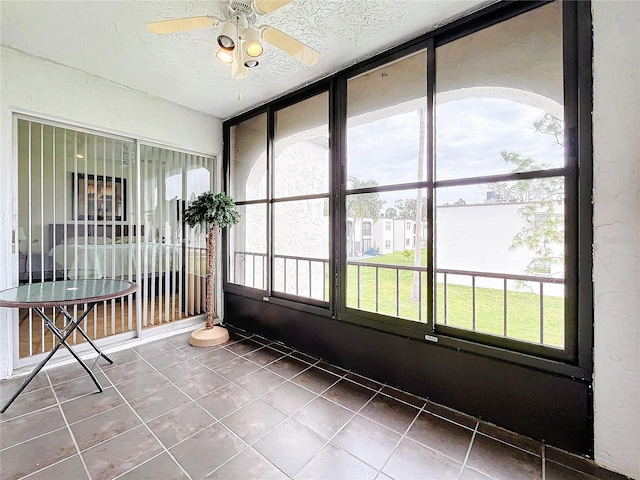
{"x":240,"y":36}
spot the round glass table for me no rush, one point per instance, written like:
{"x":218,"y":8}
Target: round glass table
{"x":60,"y":295}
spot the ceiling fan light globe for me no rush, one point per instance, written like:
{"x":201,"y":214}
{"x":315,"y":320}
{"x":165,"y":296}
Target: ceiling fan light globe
{"x":254,"y":49}
{"x":226,"y":43}
{"x":225,"y":56}
{"x":251,"y":63}
{"x":226,"y":37}
{"x":252,"y":45}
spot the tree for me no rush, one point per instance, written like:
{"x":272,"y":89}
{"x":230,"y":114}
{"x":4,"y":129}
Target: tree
{"x":408,"y":208}
{"x":213,"y":212}
{"x":391,"y":213}
{"x":360,"y":206}
{"x":542,"y":231}
{"x":550,"y":125}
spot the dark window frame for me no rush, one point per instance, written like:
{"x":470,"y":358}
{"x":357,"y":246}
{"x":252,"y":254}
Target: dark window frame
{"x":577,"y":361}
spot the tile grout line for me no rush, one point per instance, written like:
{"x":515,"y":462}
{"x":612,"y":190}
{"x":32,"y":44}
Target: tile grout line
{"x":402,"y":437}
{"x":287,"y":417}
{"x":146,"y":461}
{"x":466,"y":457}
{"x":248,"y":445}
{"x":424,"y":401}
{"x":437,"y":415}
{"x":165,"y":449}
{"x":171,"y":384}
{"x":50,"y":385}
{"x":328,"y":441}
{"x":504,"y":442}
{"x":73,"y":437}
{"x":285,"y":355}
{"x":4,"y":449}
{"x":39,"y":410}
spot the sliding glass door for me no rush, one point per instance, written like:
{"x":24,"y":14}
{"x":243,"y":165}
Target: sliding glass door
{"x":101,"y":206}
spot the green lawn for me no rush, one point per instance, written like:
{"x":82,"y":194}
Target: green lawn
{"x":394,"y":298}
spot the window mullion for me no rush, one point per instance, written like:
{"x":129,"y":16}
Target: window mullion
{"x":271,"y":128}
{"x":430,"y":149}
{"x":338,"y":116}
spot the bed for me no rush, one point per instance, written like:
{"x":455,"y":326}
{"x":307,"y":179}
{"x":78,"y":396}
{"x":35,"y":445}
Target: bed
{"x":109,"y":251}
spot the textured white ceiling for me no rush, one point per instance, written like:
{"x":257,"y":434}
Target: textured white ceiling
{"x":109,"y":39}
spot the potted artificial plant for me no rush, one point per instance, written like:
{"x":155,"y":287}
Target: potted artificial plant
{"x":213,"y":212}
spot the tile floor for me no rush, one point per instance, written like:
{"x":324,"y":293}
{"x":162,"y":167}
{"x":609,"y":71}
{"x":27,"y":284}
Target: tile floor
{"x":249,"y":409}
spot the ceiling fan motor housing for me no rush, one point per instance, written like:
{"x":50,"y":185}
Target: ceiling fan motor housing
{"x":241,"y":9}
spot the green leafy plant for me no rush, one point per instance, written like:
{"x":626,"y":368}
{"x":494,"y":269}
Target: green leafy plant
{"x":542,"y":199}
{"x":213,"y":212}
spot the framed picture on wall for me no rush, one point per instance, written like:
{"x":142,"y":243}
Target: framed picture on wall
{"x":98,"y":197}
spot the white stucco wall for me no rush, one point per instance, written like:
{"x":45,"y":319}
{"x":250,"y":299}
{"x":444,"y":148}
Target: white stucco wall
{"x":616,"y":270}
{"x":31,"y":85}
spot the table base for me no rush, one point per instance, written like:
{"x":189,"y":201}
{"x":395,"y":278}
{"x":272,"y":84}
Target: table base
{"x":62,"y":334}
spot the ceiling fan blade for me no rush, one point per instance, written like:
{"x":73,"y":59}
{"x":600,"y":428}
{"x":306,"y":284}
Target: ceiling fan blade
{"x":181,"y":24}
{"x":290,"y":45}
{"x":268,"y":6}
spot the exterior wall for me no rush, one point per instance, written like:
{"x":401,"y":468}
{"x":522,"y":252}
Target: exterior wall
{"x":33,"y":86}
{"x":401,"y":234}
{"x":381,"y":235}
{"x":616,"y":267}
{"x":479,"y":237}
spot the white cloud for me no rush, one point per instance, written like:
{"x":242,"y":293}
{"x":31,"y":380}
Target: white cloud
{"x":470,"y":134}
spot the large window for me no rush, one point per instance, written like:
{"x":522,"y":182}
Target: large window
{"x":247,"y":260}
{"x":386,"y":133}
{"x":441,"y":193}
{"x":500,"y":180}
{"x":282,"y":241}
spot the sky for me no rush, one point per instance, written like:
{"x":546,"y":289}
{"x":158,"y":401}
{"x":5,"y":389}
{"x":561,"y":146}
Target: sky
{"x":470,"y":134}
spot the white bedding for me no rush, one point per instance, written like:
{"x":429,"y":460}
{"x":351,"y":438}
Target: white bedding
{"x":115,"y":260}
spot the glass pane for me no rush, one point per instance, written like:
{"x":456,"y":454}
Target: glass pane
{"x":301,"y":248}
{"x":499,"y":256}
{"x":249,"y":159}
{"x":499,"y":98}
{"x":248,"y":247}
{"x":301,"y":164}
{"x":386,"y":123}
{"x":387,"y":255}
